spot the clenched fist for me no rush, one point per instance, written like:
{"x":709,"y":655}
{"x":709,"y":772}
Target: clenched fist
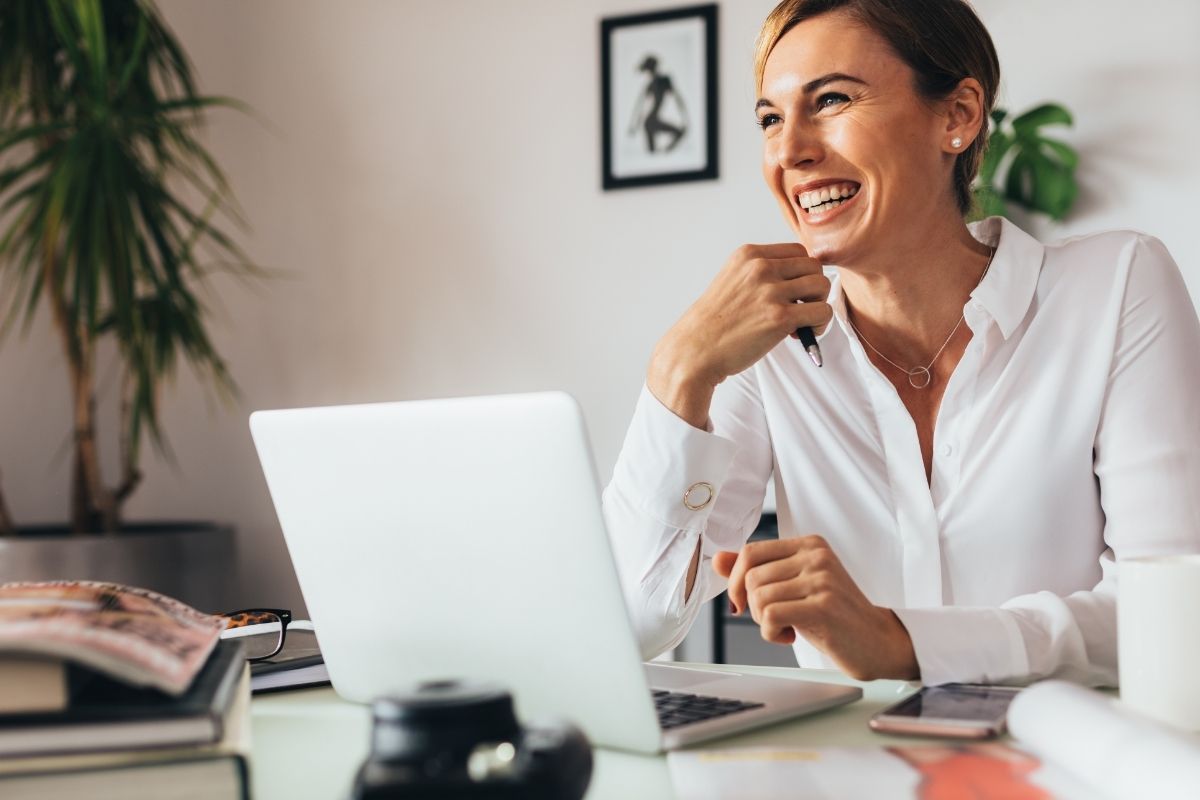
{"x":799,"y":586}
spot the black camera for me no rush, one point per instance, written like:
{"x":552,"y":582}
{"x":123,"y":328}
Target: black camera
{"x":461,"y":740}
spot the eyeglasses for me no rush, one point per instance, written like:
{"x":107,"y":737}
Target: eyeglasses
{"x":262,"y":630}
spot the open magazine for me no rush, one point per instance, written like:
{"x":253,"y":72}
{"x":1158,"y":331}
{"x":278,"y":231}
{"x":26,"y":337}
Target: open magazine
{"x":134,"y":635}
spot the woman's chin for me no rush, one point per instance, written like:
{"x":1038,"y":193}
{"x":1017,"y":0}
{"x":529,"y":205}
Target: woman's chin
{"x":828,"y":253}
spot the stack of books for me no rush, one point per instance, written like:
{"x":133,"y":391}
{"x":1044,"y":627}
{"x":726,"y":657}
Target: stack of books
{"x":112,"y":692}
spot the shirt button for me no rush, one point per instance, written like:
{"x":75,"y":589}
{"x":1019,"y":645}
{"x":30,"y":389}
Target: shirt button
{"x":699,"y":495}
{"x":947,"y":450}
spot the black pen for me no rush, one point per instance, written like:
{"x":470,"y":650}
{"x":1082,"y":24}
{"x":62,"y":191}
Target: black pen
{"x":809,"y":340}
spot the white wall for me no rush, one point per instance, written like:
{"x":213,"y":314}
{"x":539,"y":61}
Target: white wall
{"x":429,"y":185}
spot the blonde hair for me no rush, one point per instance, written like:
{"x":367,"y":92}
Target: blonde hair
{"x":942,"y":41}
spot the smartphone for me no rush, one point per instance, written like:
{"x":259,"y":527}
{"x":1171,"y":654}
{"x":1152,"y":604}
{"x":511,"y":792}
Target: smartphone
{"x":957,"y":710}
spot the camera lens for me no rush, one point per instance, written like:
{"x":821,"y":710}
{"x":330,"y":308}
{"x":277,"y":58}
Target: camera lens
{"x":441,"y":721}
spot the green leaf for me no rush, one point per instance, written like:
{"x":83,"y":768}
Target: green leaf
{"x":1041,"y":116}
{"x":1062,"y":153}
{"x":1018,"y":185}
{"x":90,"y":21}
{"x":135,"y":57}
{"x":1053,"y":187}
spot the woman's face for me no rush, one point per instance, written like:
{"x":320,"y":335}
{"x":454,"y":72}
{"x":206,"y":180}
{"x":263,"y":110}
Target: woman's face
{"x":843,"y":123}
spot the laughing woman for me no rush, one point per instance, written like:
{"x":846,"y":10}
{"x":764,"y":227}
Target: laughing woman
{"x":996,"y":422}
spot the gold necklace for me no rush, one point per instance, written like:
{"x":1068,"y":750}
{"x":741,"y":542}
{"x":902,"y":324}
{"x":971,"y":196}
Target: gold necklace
{"x":916,"y":374}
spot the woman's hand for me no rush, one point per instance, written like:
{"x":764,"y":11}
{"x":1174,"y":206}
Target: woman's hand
{"x":799,"y":586}
{"x":762,"y":294}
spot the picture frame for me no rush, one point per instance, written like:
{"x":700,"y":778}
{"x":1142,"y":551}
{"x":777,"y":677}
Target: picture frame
{"x":658,"y":76}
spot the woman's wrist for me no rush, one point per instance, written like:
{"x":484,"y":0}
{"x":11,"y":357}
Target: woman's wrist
{"x":677,"y":383}
{"x":904,"y":665}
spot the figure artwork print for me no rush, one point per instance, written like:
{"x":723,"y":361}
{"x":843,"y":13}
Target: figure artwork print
{"x":649,"y":114}
{"x":659,"y":98}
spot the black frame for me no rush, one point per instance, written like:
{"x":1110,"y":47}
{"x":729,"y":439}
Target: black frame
{"x":608,"y":26}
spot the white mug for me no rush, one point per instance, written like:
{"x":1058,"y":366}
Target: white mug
{"x":1158,"y":637}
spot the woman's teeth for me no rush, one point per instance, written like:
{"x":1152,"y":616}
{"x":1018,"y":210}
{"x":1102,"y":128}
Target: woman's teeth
{"x":827,"y":197}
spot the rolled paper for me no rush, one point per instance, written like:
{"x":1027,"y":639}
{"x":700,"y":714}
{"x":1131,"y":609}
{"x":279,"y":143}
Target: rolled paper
{"x":1118,"y":753}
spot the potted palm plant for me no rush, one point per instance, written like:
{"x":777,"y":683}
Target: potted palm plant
{"x":109,"y":209}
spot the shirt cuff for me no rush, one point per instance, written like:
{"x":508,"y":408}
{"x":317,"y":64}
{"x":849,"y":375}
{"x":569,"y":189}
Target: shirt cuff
{"x":957,"y":644}
{"x":670,"y":470}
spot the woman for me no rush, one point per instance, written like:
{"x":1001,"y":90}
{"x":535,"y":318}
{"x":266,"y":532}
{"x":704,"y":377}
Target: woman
{"x":996,"y":421}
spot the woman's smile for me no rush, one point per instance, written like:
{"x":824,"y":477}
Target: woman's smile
{"x":822,"y":201}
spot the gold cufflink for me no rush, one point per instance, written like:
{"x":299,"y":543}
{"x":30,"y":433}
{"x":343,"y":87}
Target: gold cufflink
{"x":700,"y":489}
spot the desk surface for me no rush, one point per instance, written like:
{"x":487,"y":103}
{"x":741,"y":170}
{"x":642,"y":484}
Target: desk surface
{"x":309,"y":743}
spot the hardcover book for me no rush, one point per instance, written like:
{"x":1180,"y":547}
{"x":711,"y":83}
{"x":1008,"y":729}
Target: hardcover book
{"x":216,"y":771}
{"x":106,"y":714}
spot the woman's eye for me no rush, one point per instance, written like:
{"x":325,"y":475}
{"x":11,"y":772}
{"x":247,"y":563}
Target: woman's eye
{"x":831,"y":99}
{"x":767,"y":120}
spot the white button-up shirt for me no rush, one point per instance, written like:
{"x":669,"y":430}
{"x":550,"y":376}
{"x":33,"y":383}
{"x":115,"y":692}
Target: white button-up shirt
{"x":1068,"y":437}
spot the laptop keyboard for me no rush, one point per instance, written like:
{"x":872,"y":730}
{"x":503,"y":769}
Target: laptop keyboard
{"x":676,"y":709}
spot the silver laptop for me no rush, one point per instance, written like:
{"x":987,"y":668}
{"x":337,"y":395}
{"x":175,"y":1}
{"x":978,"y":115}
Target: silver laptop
{"x":464,"y":538}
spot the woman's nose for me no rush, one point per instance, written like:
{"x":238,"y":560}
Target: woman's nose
{"x":797,"y":145}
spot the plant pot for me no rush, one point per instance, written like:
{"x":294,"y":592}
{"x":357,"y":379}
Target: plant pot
{"x":194,"y":562}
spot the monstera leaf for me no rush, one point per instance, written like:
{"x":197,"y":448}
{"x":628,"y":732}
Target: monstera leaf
{"x":1026,"y":167}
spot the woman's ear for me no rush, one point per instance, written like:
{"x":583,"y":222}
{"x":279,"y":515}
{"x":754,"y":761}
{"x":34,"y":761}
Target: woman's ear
{"x":964,"y":112}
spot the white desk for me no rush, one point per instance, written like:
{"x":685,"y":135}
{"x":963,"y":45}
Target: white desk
{"x":309,"y":743}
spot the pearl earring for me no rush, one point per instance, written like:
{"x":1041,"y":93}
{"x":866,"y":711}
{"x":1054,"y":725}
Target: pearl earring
{"x":956,"y":142}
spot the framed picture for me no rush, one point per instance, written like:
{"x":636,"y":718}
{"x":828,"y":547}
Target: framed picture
{"x":658,"y":75}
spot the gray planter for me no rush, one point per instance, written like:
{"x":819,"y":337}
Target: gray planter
{"x":191,"y":561}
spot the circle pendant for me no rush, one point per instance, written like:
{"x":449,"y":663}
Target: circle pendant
{"x":919,"y":377}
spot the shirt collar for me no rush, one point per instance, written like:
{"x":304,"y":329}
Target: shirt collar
{"x":1004,"y":293}
{"x":837,"y":301}
{"x":1007,"y":290}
